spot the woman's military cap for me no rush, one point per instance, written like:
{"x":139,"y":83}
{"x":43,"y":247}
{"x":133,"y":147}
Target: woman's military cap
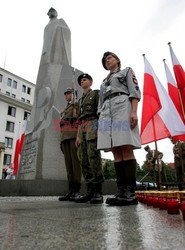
{"x":68,"y":90}
{"x":107,"y":54}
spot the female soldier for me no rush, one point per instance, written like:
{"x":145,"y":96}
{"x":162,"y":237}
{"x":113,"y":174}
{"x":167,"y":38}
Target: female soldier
{"x":118,"y":125}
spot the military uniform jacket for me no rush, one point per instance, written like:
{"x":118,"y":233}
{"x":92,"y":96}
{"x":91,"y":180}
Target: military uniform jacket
{"x":88,"y":105}
{"x":69,"y":126}
{"x":114,"y":121}
{"x":151,"y":158}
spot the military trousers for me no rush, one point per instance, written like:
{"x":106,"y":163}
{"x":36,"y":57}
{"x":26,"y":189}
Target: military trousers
{"x":89,"y":155}
{"x":179,"y":171}
{"x":71,"y":161}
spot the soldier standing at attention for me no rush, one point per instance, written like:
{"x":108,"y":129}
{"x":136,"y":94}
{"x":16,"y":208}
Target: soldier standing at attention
{"x":90,"y":158}
{"x":118,"y":125}
{"x":179,"y":160}
{"x":151,"y":161}
{"x":68,"y":138}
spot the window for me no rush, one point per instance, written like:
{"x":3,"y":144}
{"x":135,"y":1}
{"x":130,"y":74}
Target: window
{"x":14,"y":96}
{"x":9,"y":82}
{"x":26,"y":115}
{"x":8,"y":142}
{"x":24,"y":88}
{"x":1,"y":78}
{"x":22,"y":99}
{"x":7,"y":93}
{"x":10,"y":126}
{"x":29,"y":91}
{"x":11,"y":111}
{"x":14,"y":84}
{"x":28,"y":101}
{"x":7,"y":159}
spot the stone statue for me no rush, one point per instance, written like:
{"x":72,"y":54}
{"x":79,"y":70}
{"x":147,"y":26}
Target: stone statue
{"x":57,"y":41}
{"x":41,"y":153}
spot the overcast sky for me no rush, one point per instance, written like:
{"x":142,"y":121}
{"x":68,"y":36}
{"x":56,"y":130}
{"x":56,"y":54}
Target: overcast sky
{"x":128,"y":28}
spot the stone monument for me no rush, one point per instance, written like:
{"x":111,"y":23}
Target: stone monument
{"x":41,"y":156}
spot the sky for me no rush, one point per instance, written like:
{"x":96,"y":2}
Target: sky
{"x":127,"y":28}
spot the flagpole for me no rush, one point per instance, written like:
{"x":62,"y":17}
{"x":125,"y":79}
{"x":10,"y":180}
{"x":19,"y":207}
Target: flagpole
{"x":156,"y":150}
{"x":180,"y":96}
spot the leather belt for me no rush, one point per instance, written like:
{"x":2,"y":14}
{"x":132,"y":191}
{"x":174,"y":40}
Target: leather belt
{"x":89,"y":118}
{"x":113,"y":95}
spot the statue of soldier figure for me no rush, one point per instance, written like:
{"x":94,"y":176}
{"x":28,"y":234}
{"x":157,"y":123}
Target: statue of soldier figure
{"x":179,"y":161}
{"x":151,"y":162}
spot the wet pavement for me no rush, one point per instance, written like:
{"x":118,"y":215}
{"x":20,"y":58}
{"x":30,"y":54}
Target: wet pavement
{"x":45,"y":223}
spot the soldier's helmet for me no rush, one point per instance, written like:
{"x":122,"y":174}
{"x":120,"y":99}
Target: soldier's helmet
{"x":84,"y":75}
{"x":146,"y":148}
{"x":112,"y":54}
{"x":68,"y":90}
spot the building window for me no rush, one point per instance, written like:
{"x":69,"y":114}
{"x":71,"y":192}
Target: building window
{"x":14,"y":84}
{"x":1,"y":78}
{"x":29,"y":91}
{"x":9,"y":82}
{"x":14,"y":96}
{"x":26,"y":115}
{"x":11,"y":111}
{"x":24,"y":88}
{"x":7,"y":159}
{"x":8,"y":142}
{"x":7,"y":93}
{"x":22,"y":99}
{"x":10,"y":126}
{"x":28,"y":101}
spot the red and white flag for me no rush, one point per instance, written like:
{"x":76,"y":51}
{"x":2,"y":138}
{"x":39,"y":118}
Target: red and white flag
{"x":18,"y":147}
{"x":180,"y":77}
{"x":160,"y":118}
{"x":174,"y":95}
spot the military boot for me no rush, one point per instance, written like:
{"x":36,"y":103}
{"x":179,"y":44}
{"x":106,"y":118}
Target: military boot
{"x":87,"y":197}
{"x":120,"y":180}
{"x":127,"y":197}
{"x":97,"y":197}
{"x":68,"y":195}
{"x":76,"y":192}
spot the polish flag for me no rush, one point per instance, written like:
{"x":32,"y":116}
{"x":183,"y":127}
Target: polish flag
{"x":180,"y":77}
{"x":160,"y":118}
{"x":174,"y":94}
{"x":18,"y":147}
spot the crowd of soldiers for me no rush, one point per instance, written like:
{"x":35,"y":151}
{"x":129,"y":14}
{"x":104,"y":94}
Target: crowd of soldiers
{"x":84,"y":134}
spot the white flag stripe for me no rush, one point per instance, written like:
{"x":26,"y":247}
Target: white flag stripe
{"x":169,"y":76}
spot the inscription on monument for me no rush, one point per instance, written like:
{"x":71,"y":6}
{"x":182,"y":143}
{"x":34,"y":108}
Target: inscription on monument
{"x":29,"y":156}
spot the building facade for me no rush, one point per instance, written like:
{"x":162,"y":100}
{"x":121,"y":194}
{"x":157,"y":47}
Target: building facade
{"x":16,"y":100}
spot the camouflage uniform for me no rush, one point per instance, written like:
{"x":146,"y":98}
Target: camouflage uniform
{"x":151,"y":162}
{"x":89,"y":155}
{"x":179,"y":160}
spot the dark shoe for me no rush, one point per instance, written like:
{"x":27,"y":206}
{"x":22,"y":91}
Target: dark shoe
{"x":74,"y":196}
{"x":125,"y":198}
{"x":65,"y":197}
{"x":85,"y":198}
{"x":97,"y":198}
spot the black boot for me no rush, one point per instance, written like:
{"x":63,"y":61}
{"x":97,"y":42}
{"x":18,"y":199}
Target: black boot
{"x":128,"y":196}
{"x":68,"y":195}
{"x":87,"y":197}
{"x":76,"y":192}
{"x":97,"y":197}
{"x":120,"y":175}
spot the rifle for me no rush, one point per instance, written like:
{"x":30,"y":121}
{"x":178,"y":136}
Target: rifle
{"x":74,"y":95}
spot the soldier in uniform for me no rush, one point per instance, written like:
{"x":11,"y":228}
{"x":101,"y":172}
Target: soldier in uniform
{"x":179,"y":160}
{"x":118,"y":125}
{"x":90,"y":158}
{"x":68,"y":138}
{"x":151,"y":161}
